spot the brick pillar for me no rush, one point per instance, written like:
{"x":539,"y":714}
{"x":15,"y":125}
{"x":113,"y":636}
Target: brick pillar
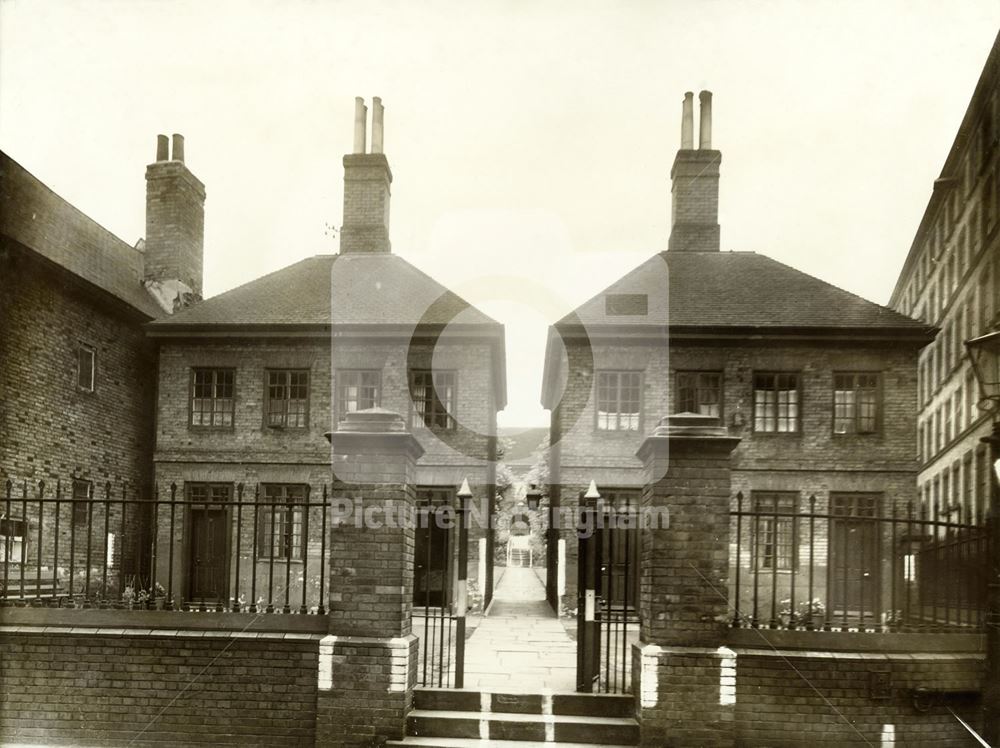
{"x":367,"y":665}
{"x":683,"y":679}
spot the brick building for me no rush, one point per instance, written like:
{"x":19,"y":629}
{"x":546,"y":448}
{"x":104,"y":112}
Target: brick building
{"x":77,"y":384}
{"x":251,"y":380}
{"x":951,"y":279}
{"x":819,"y":384}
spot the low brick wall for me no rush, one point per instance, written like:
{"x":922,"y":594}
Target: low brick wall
{"x":792,"y":698}
{"x":784,"y":689}
{"x":101,"y":685}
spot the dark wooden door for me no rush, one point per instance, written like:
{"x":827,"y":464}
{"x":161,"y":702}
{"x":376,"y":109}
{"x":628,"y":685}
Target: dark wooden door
{"x":430,"y":560}
{"x":209,"y":554}
{"x":854,"y":562}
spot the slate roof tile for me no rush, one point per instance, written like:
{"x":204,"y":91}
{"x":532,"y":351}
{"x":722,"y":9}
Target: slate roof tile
{"x":733,"y":289}
{"x":36,"y":217}
{"x":346,"y":289}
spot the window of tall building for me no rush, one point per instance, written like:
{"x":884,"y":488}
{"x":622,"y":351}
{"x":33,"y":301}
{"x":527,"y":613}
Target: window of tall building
{"x":968,"y":505}
{"x":776,"y":402}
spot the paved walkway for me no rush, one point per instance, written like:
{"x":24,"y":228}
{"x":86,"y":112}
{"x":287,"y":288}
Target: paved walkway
{"x":521,"y":647}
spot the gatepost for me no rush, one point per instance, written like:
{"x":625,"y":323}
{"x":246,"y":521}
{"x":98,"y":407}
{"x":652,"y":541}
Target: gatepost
{"x":367,"y":664}
{"x":683,"y":679}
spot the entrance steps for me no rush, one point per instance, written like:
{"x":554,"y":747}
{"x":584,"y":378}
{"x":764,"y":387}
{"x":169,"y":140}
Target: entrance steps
{"x":444,"y":717}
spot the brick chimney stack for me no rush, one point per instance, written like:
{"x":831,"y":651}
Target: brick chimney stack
{"x":367,"y":181}
{"x":175,"y":218}
{"x":694,"y":224}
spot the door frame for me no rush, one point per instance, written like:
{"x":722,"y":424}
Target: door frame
{"x":839,"y":588}
{"x":188,"y":549}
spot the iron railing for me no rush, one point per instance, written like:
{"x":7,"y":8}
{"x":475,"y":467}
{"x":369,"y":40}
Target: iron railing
{"x":237,"y":551}
{"x":608,"y":570}
{"x":855,"y":566}
{"x":435,"y":619}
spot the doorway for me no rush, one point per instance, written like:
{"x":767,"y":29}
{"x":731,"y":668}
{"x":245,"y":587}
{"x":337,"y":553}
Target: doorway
{"x":209,"y":566}
{"x":854,"y":562}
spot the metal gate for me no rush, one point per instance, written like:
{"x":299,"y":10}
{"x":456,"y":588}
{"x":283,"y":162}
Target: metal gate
{"x":440,"y":598}
{"x":607,"y":589}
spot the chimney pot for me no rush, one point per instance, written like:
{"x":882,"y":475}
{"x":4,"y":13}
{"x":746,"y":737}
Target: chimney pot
{"x":377,"y":124}
{"x":705,"y":127}
{"x":178,"y":154}
{"x":687,"y":122}
{"x":162,"y":148}
{"x":360,"y":120}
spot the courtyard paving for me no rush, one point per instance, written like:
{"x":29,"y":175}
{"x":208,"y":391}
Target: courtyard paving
{"x":521,"y":646}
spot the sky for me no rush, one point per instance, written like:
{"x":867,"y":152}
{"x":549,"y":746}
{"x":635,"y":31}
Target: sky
{"x":530,"y":142}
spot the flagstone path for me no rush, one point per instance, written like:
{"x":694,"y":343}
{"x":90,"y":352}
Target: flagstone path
{"x":520,"y":647}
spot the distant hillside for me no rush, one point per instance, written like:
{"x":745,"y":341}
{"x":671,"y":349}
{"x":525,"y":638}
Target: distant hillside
{"x":521,"y":445}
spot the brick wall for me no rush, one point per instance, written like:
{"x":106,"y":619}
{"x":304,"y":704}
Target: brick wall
{"x":251,"y":441}
{"x":118,"y":687}
{"x":367,"y":181}
{"x":175,"y":224}
{"x":773,"y":698}
{"x":55,"y":431}
{"x":252,"y":453}
{"x":813,"y":461}
{"x":787,"y":698}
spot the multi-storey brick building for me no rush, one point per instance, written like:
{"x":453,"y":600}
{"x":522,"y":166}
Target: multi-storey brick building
{"x":77,"y":381}
{"x":819,"y":384}
{"x":951,"y":279}
{"x":250,"y":381}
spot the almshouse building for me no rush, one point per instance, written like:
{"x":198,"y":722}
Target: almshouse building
{"x":819,"y":385}
{"x":77,"y":383}
{"x":250,"y":381}
{"x":951,"y":279}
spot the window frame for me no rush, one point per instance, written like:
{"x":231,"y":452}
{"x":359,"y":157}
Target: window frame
{"x":80,"y":350}
{"x":81,"y":502}
{"x":341,"y":374}
{"x":763,"y":503}
{"x":191,"y":398}
{"x":698,"y":388}
{"x":287,"y":371}
{"x":855,"y":418}
{"x":618,"y":401}
{"x":11,"y":543}
{"x":799,"y":402}
{"x":288,"y":514}
{"x":417,"y":418}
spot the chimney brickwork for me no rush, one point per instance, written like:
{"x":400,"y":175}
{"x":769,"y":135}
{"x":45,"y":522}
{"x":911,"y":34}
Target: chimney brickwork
{"x":175,"y":219}
{"x":367,"y":188}
{"x":694,"y":224}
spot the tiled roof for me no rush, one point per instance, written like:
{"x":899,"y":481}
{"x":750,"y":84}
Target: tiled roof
{"x":34,"y":216}
{"x":732,"y":289}
{"x":346,"y":289}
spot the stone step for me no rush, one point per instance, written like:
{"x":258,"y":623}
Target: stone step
{"x":574,"y":704}
{"x":560,"y":728}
